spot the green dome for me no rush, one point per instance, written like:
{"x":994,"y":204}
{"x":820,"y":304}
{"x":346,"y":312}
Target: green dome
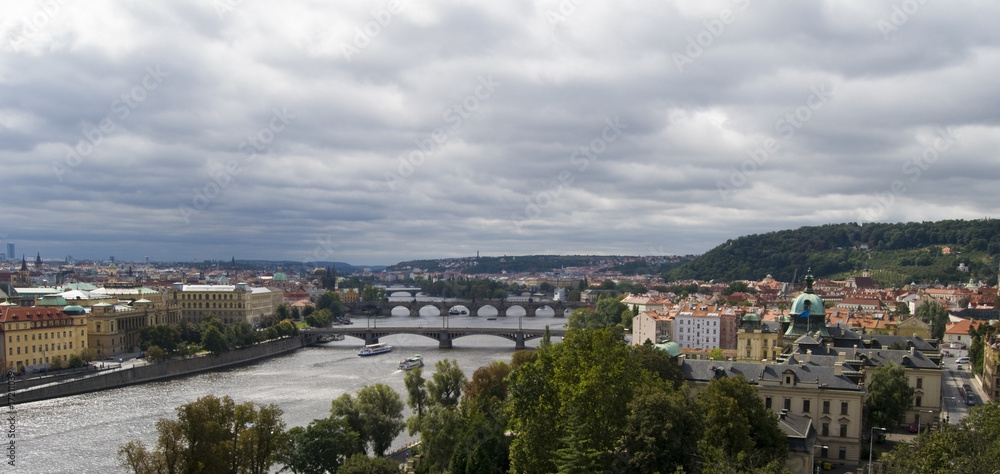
{"x":74,"y":309}
{"x":280,"y":276}
{"x":751,"y":317}
{"x":815,"y":304}
{"x":671,"y":348}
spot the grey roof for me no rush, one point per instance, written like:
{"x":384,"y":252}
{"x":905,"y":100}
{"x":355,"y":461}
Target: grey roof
{"x":978,"y":314}
{"x":878,"y":341}
{"x":799,"y":432}
{"x":878,"y":357}
{"x":708,"y":370}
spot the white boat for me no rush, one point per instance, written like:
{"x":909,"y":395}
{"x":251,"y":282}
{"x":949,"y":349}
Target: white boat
{"x":411,"y":362}
{"x":374,"y":349}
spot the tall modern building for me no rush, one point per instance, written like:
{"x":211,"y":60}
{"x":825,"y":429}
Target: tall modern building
{"x":10,"y":250}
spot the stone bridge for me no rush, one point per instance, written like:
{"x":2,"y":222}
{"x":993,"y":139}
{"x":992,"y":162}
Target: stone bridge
{"x":562,"y":309}
{"x":444,"y":336}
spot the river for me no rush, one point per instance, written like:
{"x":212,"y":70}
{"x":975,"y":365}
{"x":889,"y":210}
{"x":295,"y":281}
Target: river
{"x":82,"y":433}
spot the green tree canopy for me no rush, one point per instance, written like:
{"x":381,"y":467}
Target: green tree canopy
{"x":320,"y":447}
{"x":214,"y":341}
{"x":381,"y":412}
{"x":738,"y":431}
{"x":971,"y":447}
{"x":445,"y":385}
{"x":889,"y":396}
{"x":211,"y":435}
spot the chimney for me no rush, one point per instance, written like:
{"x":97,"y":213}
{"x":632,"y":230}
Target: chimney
{"x":809,"y":355}
{"x":913,"y":350}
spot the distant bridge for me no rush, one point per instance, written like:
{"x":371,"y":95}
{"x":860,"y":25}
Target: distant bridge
{"x":561,"y":309}
{"x":444,"y":336}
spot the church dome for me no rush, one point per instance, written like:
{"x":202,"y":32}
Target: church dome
{"x":671,"y":348}
{"x":280,"y":276}
{"x":74,"y":310}
{"x":751,"y":317}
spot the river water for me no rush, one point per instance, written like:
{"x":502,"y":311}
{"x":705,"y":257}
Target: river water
{"x":82,"y":433}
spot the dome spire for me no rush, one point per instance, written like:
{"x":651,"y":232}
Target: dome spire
{"x":809,"y":281}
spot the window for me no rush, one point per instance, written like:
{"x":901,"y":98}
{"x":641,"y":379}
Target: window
{"x":826,"y":406}
{"x":788,"y":379}
{"x":826,"y":432}
{"x":843,"y":452}
{"x":824,"y":452}
{"x":843,"y":408}
{"x":920,"y":383}
{"x":767,"y":403}
{"x":805,"y":406}
{"x":916,"y":401}
{"x":788,"y":404}
{"x":843,"y":430}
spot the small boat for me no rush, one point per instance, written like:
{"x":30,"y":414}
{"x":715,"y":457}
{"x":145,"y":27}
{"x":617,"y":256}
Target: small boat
{"x":374,"y":349}
{"x":411,"y":362}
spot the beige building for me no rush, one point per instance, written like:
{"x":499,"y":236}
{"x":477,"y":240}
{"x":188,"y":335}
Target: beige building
{"x":758,"y":340}
{"x":826,"y":395}
{"x":33,"y":337}
{"x":651,"y":326}
{"x":114,"y":329}
{"x":231,"y":303}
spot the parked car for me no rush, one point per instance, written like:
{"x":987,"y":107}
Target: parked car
{"x":962,"y":360}
{"x":914,"y":428}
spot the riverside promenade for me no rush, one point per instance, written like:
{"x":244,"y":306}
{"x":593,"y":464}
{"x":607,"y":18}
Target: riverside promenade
{"x":103,"y":380}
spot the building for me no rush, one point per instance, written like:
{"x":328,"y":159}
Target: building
{"x":10,"y":250}
{"x":231,"y":303}
{"x":991,"y":367}
{"x":758,"y":340}
{"x":827,"y":395}
{"x":115,"y":328}
{"x":651,"y":326}
{"x":34,"y":337}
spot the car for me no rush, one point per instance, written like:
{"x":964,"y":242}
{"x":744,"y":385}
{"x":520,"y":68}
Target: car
{"x":959,"y":367}
{"x":962,"y":360}
{"x":914,"y":428}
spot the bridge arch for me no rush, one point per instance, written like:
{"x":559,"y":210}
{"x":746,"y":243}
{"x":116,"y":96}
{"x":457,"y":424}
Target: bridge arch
{"x":429,"y":310}
{"x":545,"y":311}
{"x":516,"y":310}
{"x":486,"y":310}
{"x":402,"y":310}
{"x":460,"y":309}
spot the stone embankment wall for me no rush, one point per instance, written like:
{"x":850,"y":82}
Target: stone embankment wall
{"x":160,"y":371}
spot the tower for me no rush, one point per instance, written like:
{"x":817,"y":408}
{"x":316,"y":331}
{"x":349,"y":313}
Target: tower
{"x":38,"y":261}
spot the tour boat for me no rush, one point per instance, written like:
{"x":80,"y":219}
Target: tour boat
{"x":374,"y":349}
{"x":411,"y":362}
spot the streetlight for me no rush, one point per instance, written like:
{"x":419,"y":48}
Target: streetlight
{"x":928,"y":420}
{"x":871,"y":446}
{"x":820,"y":462}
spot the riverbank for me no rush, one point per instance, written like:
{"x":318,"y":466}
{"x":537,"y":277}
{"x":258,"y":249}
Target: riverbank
{"x":159,"y":371}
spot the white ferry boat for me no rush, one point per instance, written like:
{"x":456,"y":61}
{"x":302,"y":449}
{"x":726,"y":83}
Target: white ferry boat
{"x":411,"y":362}
{"x":374,"y":349}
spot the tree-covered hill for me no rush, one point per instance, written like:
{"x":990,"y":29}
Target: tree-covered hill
{"x":895,"y":253}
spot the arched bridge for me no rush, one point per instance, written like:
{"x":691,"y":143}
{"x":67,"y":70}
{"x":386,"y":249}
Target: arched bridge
{"x":560,"y":308}
{"x":444,"y":336}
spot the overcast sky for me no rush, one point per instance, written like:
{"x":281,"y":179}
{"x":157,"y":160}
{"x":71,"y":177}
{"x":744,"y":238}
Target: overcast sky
{"x":373,"y":132}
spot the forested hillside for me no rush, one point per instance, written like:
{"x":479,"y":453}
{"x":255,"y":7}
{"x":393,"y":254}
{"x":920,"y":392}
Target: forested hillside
{"x":895,"y":253}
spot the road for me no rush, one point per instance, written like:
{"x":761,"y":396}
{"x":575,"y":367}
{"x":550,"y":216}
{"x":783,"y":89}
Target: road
{"x":954,"y":406}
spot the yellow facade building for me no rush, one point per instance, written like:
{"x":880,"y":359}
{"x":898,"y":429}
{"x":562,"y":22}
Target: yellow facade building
{"x":34,"y":337}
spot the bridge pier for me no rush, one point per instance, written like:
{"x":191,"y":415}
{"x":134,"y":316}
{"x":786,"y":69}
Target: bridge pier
{"x":370,"y":337}
{"x":519,"y":340}
{"x":444,"y":339}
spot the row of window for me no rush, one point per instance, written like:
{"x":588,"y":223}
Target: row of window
{"x":807,"y":405}
{"x":825,"y":452}
{"x":39,"y":360}
{"x":38,"y":324}
{"x":55,"y":347}
{"x":198,"y":296}
{"x":214,"y":305}
{"x":55,"y":334}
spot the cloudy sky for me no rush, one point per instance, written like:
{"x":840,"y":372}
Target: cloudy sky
{"x":373,"y":132}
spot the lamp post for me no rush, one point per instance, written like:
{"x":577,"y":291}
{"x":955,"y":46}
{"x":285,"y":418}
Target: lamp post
{"x":818,"y":466}
{"x":871,"y":446}
{"x":928,"y":420}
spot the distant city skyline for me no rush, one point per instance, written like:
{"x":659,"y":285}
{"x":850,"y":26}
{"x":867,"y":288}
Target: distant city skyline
{"x":377,"y":132}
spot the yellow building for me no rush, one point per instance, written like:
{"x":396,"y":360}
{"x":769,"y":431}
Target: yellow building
{"x":33,"y":337}
{"x":758,"y":340}
{"x":115,"y":329}
{"x":231,"y":303}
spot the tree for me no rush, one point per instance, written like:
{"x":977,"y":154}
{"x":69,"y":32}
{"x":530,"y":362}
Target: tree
{"x":211,"y":435}
{"x":320,"y":447}
{"x":372,"y":293}
{"x":161,"y":335}
{"x":716,"y":354}
{"x":381,"y":412}
{"x":445,"y":386}
{"x":75,"y":361}
{"x":738,"y":432}
{"x":660,"y":430}
{"x":362,"y":464}
{"x":88,"y":354}
{"x":240,"y":334}
{"x":440,"y":431}
{"x":331,"y":301}
{"x":345,"y":408}
{"x":155,"y":354}
{"x":214,"y":341}
{"x":889,"y":396}
{"x":416,"y":391}
{"x":56,"y":364}
{"x":934,"y":314}
{"x":320,"y":318}
{"x":971,"y":447}
{"x":659,"y":363}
